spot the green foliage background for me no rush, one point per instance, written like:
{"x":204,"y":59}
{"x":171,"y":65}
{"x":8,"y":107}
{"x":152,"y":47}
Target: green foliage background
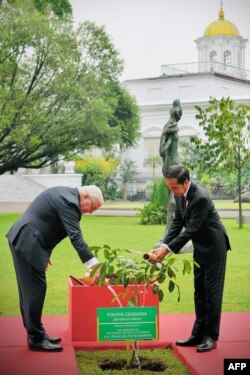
{"x":59,"y":88}
{"x":99,"y":172}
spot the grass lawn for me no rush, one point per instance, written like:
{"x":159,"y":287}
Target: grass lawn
{"x":124,"y":232}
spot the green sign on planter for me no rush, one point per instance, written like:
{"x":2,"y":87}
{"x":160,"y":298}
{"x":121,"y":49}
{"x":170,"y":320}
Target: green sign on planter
{"x":125,"y":323}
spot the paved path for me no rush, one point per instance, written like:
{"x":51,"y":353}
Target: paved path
{"x":19,"y":207}
{"x":224,"y":214}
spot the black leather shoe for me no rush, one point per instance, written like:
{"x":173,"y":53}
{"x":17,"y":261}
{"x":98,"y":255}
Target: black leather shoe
{"x":44,"y":346}
{"x":191,"y":341}
{"x":53,"y":340}
{"x":207,"y":345}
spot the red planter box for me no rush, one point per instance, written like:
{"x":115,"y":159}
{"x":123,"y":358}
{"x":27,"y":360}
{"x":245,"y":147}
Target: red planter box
{"x":84,"y":300}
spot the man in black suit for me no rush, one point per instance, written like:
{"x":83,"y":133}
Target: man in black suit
{"x":52,"y":216}
{"x":195,"y":213}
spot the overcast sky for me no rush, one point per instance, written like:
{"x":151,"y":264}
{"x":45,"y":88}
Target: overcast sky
{"x":151,"y":33}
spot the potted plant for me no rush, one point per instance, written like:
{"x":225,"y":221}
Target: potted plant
{"x":132,"y":281}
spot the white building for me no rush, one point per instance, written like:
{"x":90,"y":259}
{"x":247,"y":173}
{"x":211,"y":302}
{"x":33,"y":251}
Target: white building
{"x":220,"y":72}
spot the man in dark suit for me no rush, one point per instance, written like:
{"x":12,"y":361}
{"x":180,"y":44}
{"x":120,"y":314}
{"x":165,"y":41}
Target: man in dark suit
{"x":52,"y":216}
{"x":195,"y":213}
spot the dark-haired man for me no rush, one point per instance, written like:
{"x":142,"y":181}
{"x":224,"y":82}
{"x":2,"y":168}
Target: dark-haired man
{"x":195,"y":213}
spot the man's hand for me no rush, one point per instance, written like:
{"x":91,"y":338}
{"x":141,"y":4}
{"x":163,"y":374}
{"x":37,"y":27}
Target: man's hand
{"x":49,"y":264}
{"x":160,"y":253}
{"x":96,"y":275}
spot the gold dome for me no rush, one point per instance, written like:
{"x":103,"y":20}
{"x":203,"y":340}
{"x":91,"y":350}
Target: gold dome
{"x":221,"y":27}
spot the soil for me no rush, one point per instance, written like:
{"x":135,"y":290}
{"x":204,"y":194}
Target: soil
{"x":121,"y":364}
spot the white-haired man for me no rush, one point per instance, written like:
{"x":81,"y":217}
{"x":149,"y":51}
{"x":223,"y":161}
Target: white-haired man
{"x":53,"y":215}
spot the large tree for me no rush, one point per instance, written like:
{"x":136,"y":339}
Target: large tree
{"x":227,"y":144}
{"x":53,"y":94}
{"x":58,"y":7}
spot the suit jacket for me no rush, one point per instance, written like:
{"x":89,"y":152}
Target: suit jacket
{"x":52,"y":216}
{"x":201,"y":224}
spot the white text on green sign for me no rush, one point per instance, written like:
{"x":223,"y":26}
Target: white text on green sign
{"x":125,"y":323}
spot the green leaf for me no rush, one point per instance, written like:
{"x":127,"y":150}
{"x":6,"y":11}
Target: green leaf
{"x":171,"y":286}
{"x":93,"y":271}
{"x":152,"y":269}
{"x":187,"y":266}
{"x":170,"y":272}
{"x":111,"y":270}
{"x":94,"y":248}
{"x":171,"y":260}
{"x":125,"y":280}
{"x":103,"y":269}
{"x":155,"y":289}
{"x":161,"y":278}
{"x":196,"y":264}
{"x":101,"y":280}
{"x":160,"y":295}
{"x":107,"y":247}
{"x":106,"y":253}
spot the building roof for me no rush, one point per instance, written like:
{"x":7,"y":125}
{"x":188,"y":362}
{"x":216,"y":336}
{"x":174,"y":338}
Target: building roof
{"x":221,"y":27}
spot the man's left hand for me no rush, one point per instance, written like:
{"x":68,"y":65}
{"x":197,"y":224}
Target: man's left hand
{"x":160,"y":253}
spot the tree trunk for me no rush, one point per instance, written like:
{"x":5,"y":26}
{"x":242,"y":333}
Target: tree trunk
{"x":240,"y":203}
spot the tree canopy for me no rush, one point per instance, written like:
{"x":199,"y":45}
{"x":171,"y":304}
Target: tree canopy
{"x":59,"y":89}
{"x":58,"y":7}
{"x":227,"y":144}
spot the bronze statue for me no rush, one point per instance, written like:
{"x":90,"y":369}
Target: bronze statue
{"x":169,"y":137}
{"x":169,"y":152}
{"x":170,"y":156}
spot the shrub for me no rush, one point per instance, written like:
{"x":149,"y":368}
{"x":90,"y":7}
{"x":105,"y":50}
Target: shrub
{"x":156,"y":211}
{"x":99,"y":172}
{"x":152,"y":213}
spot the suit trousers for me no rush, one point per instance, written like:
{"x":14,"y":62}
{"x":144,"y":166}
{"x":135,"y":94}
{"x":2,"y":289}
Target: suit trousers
{"x":32,"y":290}
{"x":208,"y":294}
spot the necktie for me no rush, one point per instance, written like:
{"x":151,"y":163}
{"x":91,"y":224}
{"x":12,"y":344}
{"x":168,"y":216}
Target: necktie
{"x":183,"y":202}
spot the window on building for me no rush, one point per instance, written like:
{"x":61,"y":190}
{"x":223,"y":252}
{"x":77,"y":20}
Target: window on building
{"x":151,"y":147}
{"x":212,"y":55}
{"x":212,"y":59}
{"x":227,"y":59}
{"x":239,"y":60}
{"x":151,"y":152}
